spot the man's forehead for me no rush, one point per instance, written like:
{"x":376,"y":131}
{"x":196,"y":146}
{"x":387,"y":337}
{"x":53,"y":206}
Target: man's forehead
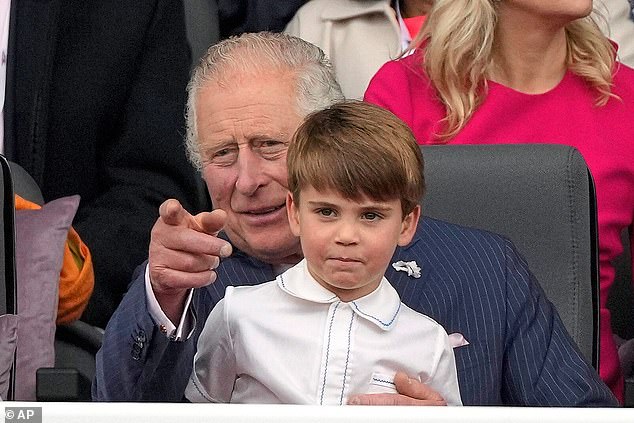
{"x":248,"y":123}
{"x":264,"y":89}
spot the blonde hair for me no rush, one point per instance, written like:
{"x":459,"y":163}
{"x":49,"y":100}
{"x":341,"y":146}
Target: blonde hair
{"x":457,"y":44}
{"x":357,"y":148}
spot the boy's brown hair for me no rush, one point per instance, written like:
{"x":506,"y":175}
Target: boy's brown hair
{"x":357,"y":148}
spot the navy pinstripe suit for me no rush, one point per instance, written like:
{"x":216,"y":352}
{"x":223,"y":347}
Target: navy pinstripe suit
{"x":472,"y":282}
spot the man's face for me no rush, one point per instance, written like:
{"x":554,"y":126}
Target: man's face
{"x":244,"y":129}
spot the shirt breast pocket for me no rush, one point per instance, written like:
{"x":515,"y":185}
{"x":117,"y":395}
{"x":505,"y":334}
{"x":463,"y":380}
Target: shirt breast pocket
{"x":382,"y":383}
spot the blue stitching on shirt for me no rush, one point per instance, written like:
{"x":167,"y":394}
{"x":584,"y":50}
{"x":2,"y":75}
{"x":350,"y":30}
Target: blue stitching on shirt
{"x":389,"y":382}
{"x":376,"y":318}
{"x":345,"y":370}
{"x":323,"y":387}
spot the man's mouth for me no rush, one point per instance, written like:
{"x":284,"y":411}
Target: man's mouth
{"x":264,"y":211}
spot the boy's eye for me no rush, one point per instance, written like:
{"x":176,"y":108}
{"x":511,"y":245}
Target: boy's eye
{"x":371,"y":216}
{"x":326,"y":212}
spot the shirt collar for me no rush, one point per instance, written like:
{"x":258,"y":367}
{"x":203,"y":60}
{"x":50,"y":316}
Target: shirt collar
{"x":354,"y":9}
{"x":406,"y":38}
{"x":380,"y":307}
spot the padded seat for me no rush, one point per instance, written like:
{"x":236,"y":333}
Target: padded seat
{"x":542,"y":197}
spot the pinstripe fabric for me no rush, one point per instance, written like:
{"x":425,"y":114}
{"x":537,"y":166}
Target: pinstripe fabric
{"x":472,"y":282}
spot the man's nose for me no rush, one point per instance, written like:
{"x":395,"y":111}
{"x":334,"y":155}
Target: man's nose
{"x":250,"y":173}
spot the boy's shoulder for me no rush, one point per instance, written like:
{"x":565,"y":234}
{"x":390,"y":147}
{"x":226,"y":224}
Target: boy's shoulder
{"x":408,"y":319}
{"x":251,"y":292}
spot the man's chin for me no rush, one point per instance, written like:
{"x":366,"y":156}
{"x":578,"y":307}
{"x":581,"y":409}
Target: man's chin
{"x":271,"y":248}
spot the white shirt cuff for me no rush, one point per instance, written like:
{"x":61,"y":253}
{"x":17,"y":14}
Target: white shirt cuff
{"x":187,"y":321}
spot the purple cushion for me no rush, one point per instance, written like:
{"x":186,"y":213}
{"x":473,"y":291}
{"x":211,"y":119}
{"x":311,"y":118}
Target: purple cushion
{"x":39,"y":245}
{"x":8,"y":335}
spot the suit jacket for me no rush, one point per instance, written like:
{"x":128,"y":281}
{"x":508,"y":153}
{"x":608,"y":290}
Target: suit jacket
{"x":238,"y":16}
{"x":472,"y":282}
{"x":95,"y":100}
{"x":357,"y":36}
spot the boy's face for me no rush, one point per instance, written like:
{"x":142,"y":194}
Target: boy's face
{"x":347,"y":244}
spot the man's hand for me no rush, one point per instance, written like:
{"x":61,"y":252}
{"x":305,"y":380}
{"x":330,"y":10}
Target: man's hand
{"x":410,"y":392}
{"x":184,"y":251}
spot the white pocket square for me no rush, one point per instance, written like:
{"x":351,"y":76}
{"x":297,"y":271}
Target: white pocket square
{"x":457,"y":340}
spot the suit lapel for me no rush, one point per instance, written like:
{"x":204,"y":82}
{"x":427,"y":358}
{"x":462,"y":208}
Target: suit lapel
{"x":33,"y":41}
{"x":409,"y":288}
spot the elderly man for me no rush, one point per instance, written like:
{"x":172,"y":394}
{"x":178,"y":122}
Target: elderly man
{"x":246,"y":98}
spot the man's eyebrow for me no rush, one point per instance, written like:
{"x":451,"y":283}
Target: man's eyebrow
{"x":265,"y":137}
{"x":218,"y":144}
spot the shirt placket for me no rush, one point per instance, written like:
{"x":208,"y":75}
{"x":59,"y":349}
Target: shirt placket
{"x":336,"y":354}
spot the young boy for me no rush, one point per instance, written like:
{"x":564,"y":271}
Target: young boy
{"x":332,"y":326}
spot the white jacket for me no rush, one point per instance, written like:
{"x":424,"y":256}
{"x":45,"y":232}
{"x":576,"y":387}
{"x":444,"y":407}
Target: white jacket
{"x":357,"y":35}
{"x":621,"y":28}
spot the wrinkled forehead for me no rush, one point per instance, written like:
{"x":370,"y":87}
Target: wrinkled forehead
{"x":252,"y":108}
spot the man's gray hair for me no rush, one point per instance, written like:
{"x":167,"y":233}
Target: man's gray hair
{"x":263,"y":52}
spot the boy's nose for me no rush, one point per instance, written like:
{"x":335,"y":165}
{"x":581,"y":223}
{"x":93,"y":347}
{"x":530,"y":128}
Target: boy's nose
{"x":347,"y":234}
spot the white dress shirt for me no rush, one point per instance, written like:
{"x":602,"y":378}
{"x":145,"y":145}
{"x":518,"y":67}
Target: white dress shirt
{"x":293,"y":341}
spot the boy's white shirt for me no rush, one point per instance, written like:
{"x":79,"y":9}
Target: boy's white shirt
{"x":293,"y":341}
{"x":187,"y":321}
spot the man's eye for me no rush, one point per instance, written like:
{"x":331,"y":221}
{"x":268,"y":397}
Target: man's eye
{"x":224,"y":156}
{"x":271,"y":149}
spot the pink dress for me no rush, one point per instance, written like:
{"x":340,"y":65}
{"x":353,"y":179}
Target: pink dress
{"x":564,"y":115}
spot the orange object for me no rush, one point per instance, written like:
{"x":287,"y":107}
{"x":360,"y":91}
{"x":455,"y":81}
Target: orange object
{"x":77,"y":277}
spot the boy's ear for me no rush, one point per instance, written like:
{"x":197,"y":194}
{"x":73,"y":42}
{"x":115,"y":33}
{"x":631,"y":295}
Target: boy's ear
{"x":293,"y":214}
{"x":408,"y":226}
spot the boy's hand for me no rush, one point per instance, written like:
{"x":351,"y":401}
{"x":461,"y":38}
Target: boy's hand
{"x":410,"y":392}
{"x":184,"y":251}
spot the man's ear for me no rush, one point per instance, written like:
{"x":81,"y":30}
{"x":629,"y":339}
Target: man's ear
{"x":408,"y":226}
{"x":292,"y":211}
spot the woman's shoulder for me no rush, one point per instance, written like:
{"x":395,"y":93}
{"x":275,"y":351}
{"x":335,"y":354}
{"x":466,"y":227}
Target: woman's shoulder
{"x":410,"y":65}
{"x":398,"y":75}
{"x":623,"y":82}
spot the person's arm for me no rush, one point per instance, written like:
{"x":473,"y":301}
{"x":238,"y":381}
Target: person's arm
{"x":136,"y":357}
{"x":132,"y":352}
{"x":542,"y":364}
{"x":631,"y":233}
{"x":411,"y":391}
{"x":444,"y":378}
{"x":142,"y":161}
{"x":184,"y":251}
{"x":214,"y":372}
